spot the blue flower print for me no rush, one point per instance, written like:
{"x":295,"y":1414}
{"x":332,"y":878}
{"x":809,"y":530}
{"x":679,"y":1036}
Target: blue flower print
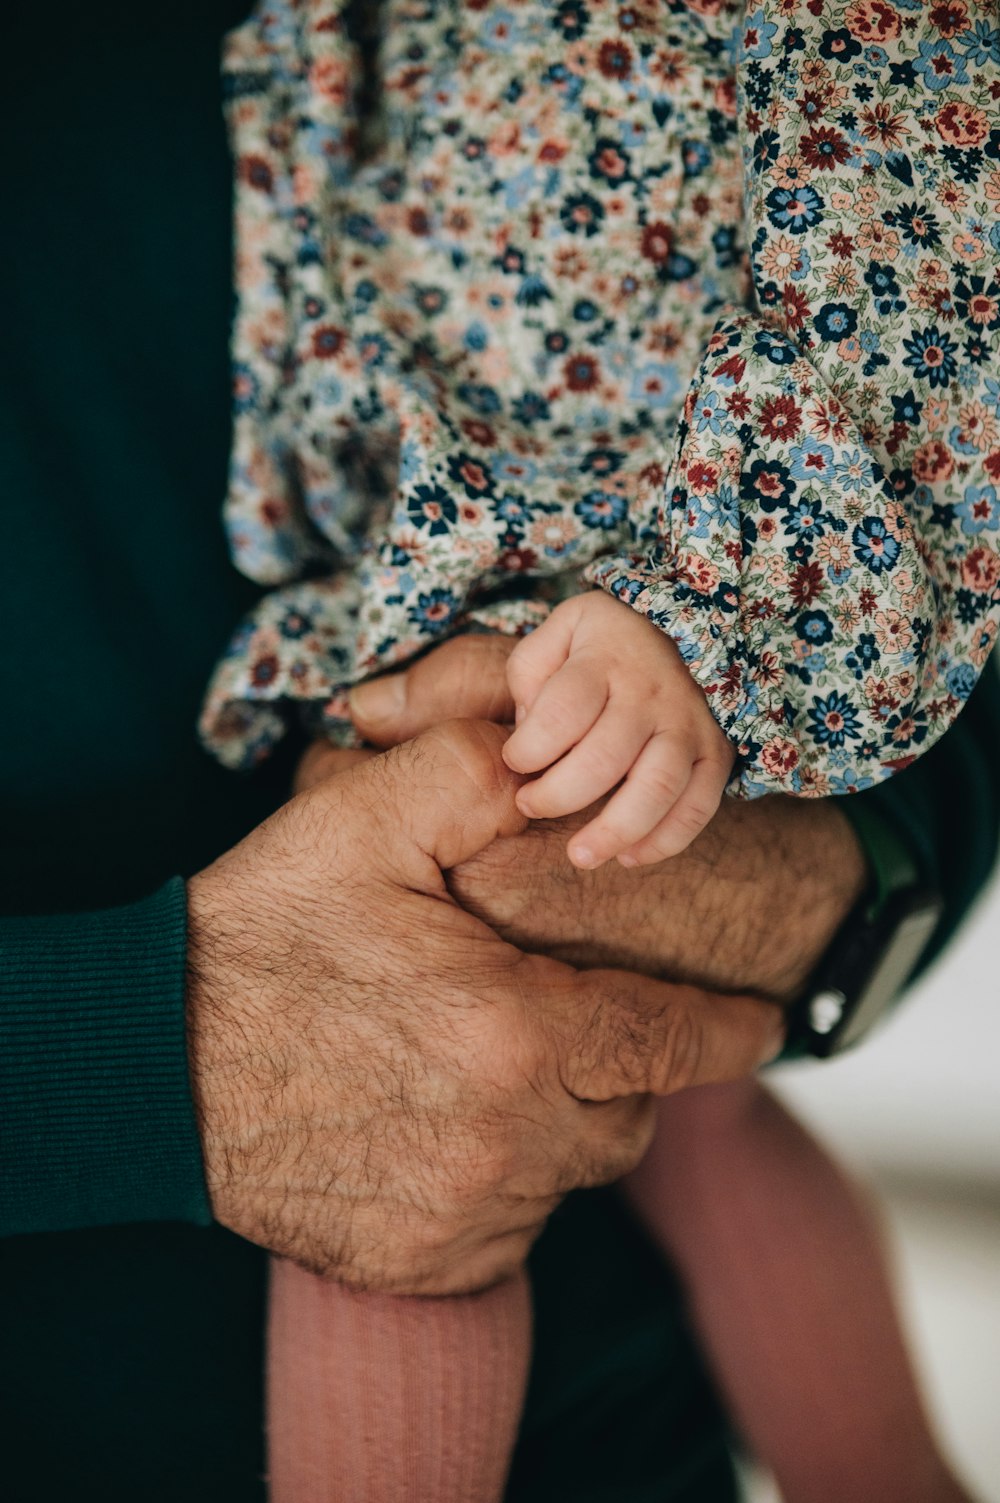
{"x":775,"y":348}
{"x":480,"y":398}
{"x":295,"y":624}
{"x":515,"y":469}
{"x":978,"y":303}
{"x":604,"y":509}
{"x":695,"y":156}
{"x":811,"y":460}
{"x":981,"y":45}
{"x":805,"y":520}
{"x":767,"y":484}
{"x":839,"y":46}
{"x":794,"y":209}
{"x":918,"y":225}
{"x":931,"y":356}
{"x":906,"y":408}
{"x":875,"y":546}
{"x":939,"y":65}
{"x":766,"y":149}
{"x":246,"y":388}
{"x":473,"y":475}
{"x":513,"y":509}
{"x":864,"y":656}
{"x":757,"y":35}
{"x":499,"y":31}
{"x":815,"y":627}
{"x":855,"y":473}
{"x":849,"y":780}
{"x":834,"y":720}
{"x":835,"y":321}
{"x":434,"y":610}
{"x":979,"y":510}
{"x":710,"y":414}
{"x":433,"y":507}
{"x":409,"y":461}
{"x":961,"y":680}
{"x":656,"y":386}
{"x":582,"y":214}
{"x":531,"y":408}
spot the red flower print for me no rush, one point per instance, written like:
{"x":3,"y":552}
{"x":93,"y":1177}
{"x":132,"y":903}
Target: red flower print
{"x":615,"y":59}
{"x":981,"y":570}
{"x":582,"y":372}
{"x":657,"y":241}
{"x":807,"y":583}
{"x":794,"y":308}
{"x":779,"y":756}
{"x":780,"y":417}
{"x":950,"y":17}
{"x":328,"y":341}
{"x":478,"y":432}
{"x":933,"y":461}
{"x":873,"y":20}
{"x":256,"y":173}
{"x":825,"y":148}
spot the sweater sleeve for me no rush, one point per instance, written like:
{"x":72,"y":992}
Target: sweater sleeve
{"x":96,"y":1119}
{"x":828,"y":549}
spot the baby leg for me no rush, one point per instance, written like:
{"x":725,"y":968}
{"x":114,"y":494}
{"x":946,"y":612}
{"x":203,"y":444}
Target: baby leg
{"x":375,"y":1398}
{"x":784,"y":1270}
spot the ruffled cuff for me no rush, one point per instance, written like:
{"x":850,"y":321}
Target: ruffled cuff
{"x":787,"y":573}
{"x":295,"y":658}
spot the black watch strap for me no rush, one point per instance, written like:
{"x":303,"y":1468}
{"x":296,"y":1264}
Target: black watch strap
{"x":876,"y":949}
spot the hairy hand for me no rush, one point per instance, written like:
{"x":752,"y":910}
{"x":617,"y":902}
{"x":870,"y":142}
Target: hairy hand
{"x":751,"y":904}
{"x":388,"y":1092}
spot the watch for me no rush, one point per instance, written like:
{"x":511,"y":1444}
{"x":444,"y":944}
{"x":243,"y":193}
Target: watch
{"x":874,"y":952}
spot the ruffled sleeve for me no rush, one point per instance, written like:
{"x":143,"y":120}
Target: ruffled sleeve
{"x":828,"y":557}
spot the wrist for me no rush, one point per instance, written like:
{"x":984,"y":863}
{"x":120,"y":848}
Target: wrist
{"x":776,"y":879}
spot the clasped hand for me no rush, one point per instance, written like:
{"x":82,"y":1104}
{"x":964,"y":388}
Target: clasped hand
{"x":387,"y":1091}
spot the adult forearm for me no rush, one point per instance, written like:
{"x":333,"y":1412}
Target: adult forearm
{"x":96,"y":1122}
{"x":750,"y":905}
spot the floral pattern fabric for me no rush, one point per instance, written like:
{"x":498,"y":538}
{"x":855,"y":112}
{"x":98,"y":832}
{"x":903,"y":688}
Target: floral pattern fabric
{"x":698,"y":305}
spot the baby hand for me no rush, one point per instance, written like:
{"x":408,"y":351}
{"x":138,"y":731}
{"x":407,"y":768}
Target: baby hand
{"x":603,"y":695}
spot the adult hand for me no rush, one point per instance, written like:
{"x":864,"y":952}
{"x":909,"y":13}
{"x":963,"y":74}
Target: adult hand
{"x":751,"y":904}
{"x":385,"y":1090}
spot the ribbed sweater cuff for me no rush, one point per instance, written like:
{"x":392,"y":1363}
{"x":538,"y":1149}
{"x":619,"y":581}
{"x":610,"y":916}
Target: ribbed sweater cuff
{"x":96,"y":1119}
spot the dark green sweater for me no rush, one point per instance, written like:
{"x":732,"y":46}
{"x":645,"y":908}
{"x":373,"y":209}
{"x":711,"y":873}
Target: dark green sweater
{"x":130,"y":1353}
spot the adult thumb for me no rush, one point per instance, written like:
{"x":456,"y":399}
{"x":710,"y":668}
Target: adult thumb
{"x":465,"y":676}
{"x":448,"y":792}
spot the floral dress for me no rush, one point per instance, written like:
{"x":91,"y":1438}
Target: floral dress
{"x":697,"y":305}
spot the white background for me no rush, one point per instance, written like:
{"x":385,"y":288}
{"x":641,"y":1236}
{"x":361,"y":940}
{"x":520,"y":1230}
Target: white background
{"x":917,"y":1111}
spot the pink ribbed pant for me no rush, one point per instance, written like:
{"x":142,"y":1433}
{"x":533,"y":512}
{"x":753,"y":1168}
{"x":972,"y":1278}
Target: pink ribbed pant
{"x":378,"y":1399}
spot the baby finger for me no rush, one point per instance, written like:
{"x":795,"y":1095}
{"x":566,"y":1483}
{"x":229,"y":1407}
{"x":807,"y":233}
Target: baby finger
{"x":657,"y":780}
{"x":686,"y":820}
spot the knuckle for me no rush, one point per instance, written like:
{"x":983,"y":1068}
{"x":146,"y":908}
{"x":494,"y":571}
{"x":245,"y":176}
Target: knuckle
{"x":475,"y":747}
{"x":678,"y":1050}
{"x":663,"y":784}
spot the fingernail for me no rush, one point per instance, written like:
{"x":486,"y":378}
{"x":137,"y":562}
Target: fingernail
{"x":378,"y":699}
{"x":582,"y":855}
{"x":523,"y":802}
{"x":627,"y":860}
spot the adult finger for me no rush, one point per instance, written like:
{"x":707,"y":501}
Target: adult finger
{"x":465,"y":678}
{"x":322,"y":760}
{"x":448,"y":793}
{"x":636,"y":1035}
